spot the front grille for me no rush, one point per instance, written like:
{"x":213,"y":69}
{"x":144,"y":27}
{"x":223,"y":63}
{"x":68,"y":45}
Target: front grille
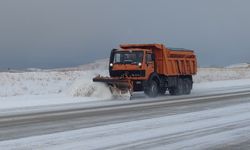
{"x":128,"y":73}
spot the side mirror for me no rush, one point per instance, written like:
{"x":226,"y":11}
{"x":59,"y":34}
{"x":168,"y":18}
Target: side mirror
{"x":111,"y":59}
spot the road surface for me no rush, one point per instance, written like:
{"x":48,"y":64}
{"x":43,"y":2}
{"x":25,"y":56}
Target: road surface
{"x":208,"y":121}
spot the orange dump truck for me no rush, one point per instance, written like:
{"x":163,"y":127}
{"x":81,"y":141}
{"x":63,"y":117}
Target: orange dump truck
{"x":151,"y":68}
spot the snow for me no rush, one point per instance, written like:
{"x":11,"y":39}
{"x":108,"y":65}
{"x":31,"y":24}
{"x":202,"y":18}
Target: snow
{"x":221,"y":84}
{"x":195,"y":130}
{"x":98,"y":93}
{"x":41,"y":83}
{"x":85,"y":88}
{"x":24,"y":101}
{"x":74,"y":85}
{"x":66,"y":86}
{"x":240,"y":65}
{"x":218,"y":74}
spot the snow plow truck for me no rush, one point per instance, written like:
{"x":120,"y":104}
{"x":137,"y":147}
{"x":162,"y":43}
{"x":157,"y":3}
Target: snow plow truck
{"x":152,"y":68}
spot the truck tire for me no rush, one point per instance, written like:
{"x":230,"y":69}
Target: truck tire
{"x":177,"y":89}
{"x":152,"y":90}
{"x":172,"y":91}
{"x":187,"y":84}
{"x":162,"y":90}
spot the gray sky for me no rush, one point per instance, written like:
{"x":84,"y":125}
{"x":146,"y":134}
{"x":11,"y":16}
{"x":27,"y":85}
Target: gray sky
{"x":61,"y":33}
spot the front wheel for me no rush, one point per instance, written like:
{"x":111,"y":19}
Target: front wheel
{"x":152,"y":89}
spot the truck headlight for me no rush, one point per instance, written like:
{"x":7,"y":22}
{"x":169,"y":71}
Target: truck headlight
{"x":111,"y":64}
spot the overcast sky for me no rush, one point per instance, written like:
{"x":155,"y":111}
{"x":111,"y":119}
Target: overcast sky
{"x":62,"y":33}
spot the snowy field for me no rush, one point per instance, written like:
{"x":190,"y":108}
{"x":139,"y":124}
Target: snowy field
{"x":37,"y":87}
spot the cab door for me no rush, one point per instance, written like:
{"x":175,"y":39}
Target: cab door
{"x":150,"y":66}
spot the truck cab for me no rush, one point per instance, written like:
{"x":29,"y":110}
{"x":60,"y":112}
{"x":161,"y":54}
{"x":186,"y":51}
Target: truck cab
{"x":135,"y":64}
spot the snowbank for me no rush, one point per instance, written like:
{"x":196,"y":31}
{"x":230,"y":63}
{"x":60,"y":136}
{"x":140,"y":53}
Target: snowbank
{"x":43,"y":83}
{"x":218,"y":74}
{"x":240,"y":65}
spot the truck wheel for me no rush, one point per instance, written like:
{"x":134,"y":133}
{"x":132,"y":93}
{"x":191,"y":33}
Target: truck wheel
{"x":187,"y":86}
{"x":162,"y":90}
{"x":177,"y":89}
{"x":172,"y":91}
{"x":180,"y":87}
{"x":152,"y":90}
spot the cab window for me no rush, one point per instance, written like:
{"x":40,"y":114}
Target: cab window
{"x":149,"y":57}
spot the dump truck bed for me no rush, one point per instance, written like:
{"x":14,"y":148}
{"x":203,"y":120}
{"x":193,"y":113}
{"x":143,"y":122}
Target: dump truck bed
{"x":170,"y":61}
{"x":178,"y":62}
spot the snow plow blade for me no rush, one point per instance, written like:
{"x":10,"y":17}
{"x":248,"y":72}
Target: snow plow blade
{"x":120,"y":88}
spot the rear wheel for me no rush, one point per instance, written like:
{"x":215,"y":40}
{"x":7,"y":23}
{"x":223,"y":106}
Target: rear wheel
{"x":177,"y":89}
{"x":187,"y":84}
{"x":172,"y":91}
{"x":152,"y":90}
{"x":180,"y":87}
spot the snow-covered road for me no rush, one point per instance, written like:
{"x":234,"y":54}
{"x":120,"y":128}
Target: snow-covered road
{"x":205,"y":125}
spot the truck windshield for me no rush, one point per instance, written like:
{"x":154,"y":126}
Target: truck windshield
{"x":128,"y":57}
